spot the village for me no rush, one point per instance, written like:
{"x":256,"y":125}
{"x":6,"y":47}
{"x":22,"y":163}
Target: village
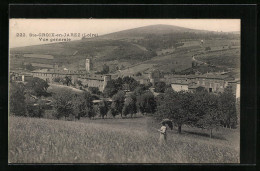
{"x":213,"y":82}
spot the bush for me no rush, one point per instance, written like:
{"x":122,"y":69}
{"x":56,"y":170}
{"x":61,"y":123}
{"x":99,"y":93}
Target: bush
{"x":160,"y":87}
{"x":94,"y":90}
{"x":207,"y":48}
{"x":35,"y":111}
{"x":57,"y":79}
{"x":37,"y":86}
{"x":17,"y":99}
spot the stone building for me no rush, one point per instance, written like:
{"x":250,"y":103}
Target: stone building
{"x":180,"y":86}
{"x":89,"y":80}
{"x":212,"y":82}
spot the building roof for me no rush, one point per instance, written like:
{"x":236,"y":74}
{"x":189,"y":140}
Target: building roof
{"x":81,"y":74}
{"x":193,"y":86}
{"x":180,"y":83}
{"x":215,"y":76}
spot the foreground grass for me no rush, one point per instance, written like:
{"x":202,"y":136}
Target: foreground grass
{"x":109,"y":141}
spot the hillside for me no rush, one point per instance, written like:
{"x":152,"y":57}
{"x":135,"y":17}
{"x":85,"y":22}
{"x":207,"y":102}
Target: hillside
{"x":123,"y":48}
{"x":33,"y":140}
{"x":158,"y":29}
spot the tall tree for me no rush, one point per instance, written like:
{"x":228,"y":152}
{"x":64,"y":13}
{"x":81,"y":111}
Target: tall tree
{"x":130,"y":105}
{"x":206,"y":113}
{"x":83,"y":105}
{"x":227,"y":107}
{"x":118,"y":102}
{"x":146,"y":103}
{"x":63,"y":103}
{"x":113,"y":87}
{"x":131,"y":82}
{"x":103,"y":108}
{"x":67,"y":81}
{"x":17,"y":99}
{"x":175,"y":106}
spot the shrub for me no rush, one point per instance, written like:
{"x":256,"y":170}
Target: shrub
{"x":207,"y":48}
{"x":17,"y":99}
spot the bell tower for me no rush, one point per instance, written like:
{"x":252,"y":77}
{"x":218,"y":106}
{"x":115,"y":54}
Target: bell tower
{"x":88,"y":65}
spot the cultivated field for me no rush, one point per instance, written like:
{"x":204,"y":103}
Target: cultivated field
{"x":228,"y":58}
{"x":135,"y":140}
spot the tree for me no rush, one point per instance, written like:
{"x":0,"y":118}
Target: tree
{"x":131,"y":82}
{"x":78,"y":82}
{"x":113,"y":87}
{"x":146,"y":103}
{"x":140,"y":90}
{"x":82,"y":105}
{"x":207,"y":48}
{"x":160,"y":87}
{"x":57,"y":79}
{"x":29,"y":67}
{"x":37,"y":86}
{"x":118,"y":84}
{"x":227,"y":107}
{"x":130,"y":105}
{"x":62,"y":103}
{"x":17,"y":99}
{"x":175,"y":106}
{"x":206,"y":112}
{"x":112,"y":111}
{"x":118,"y":102}
{"x":94,"y":90}
{"x":105,"y":69}
{"x":103,"y":108}
{"x":36,"y":109}
{"x":67,"y":81}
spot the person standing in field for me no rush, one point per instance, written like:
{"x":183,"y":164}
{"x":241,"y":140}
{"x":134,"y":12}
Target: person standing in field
{"x":163,"y":135}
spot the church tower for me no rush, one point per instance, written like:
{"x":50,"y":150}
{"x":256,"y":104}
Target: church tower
{"x":88,"y":65}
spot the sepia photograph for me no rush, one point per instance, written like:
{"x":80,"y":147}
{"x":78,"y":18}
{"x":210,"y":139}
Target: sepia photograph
{"x":124,"y":91}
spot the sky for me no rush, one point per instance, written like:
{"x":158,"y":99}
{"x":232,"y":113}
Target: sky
{"x":21,"y":29}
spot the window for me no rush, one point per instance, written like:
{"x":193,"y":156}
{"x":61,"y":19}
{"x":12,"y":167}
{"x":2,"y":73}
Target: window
{"x":210,"y":90}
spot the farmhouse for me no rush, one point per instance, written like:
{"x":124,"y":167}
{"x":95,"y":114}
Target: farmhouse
{"x":179,"y":87}
{"x":212,"y":82}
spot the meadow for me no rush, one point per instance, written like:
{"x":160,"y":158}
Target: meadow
{"x":228,"y":58}
{"x":33,"y":140}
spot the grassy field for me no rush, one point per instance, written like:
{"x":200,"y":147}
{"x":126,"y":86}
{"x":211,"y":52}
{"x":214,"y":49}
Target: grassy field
{"x":135,"y":140}
{"x":227,"y":58}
